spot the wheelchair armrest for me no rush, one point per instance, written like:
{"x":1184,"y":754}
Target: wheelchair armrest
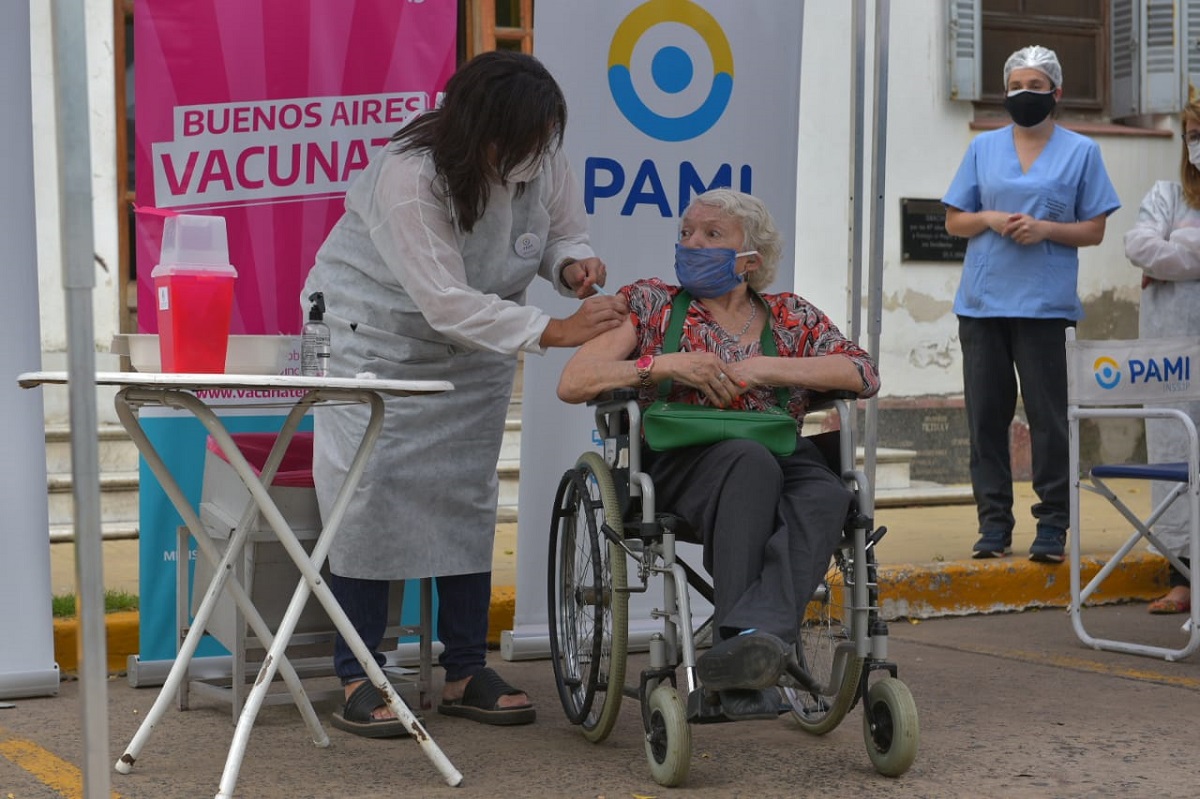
{"x":616,"y":395}
{"x":836,"y":446}
{"x":826,"y":399}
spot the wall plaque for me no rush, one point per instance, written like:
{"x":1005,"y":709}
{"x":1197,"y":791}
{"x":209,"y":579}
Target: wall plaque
{"x":923,"y":233}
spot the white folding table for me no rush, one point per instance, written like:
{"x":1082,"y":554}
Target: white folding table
{"x":188,"y":392}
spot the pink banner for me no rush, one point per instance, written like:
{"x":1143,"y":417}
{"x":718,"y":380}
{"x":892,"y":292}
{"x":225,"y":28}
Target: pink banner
{"x":262,"y":111}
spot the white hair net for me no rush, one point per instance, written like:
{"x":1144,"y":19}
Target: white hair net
{"x":1036,"y":57}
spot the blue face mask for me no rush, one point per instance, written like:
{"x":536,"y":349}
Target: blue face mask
{"x":708,"y":271}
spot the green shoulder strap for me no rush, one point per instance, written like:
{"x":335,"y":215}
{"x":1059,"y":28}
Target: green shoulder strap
{"x":679,"y":308}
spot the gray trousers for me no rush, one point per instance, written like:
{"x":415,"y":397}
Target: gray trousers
{"x":997,"y":352}
{"x":769,"y":526}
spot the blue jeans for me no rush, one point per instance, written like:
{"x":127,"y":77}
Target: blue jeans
{"x":462,"y":622}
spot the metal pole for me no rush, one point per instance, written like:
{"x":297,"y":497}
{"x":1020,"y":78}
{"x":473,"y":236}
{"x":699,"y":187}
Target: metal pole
{"x":69,"y":43}
{"x":878,"y":175}
{"x":857,"y":111}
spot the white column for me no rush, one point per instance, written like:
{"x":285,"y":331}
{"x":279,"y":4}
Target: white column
{"x":27,"y":666}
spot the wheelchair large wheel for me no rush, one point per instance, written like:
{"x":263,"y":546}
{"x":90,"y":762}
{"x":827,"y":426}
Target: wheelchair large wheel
{"x":891,"y":729}
{"x":827,"y":651}
{"x":587,"y":602}
{"x":668,"y":738}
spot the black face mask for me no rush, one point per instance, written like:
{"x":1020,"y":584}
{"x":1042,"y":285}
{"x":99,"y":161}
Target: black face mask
{"x":1028,"y":108}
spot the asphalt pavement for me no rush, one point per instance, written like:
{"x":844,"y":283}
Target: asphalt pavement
{"x":1010,"y":705}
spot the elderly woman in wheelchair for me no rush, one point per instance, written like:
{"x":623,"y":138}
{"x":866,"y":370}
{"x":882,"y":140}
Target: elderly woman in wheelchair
{"x":770,"y":518}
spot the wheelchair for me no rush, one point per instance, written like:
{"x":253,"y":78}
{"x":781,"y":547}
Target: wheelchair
{"x":605,"y":527}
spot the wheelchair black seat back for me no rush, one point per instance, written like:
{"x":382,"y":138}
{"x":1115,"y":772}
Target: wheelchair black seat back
{"x":605,"y":526}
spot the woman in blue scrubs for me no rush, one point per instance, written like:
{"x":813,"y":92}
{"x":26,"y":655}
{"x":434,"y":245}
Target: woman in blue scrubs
{"x":1028,"y":196}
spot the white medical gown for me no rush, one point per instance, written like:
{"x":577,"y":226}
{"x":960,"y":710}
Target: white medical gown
{"x":410,"y":296}
{"x":1165,"y":244}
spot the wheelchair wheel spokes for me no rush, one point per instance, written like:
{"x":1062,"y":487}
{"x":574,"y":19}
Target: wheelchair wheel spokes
{"x":572,"y":627}
{"x":587,"y":606}
{"x":826,"y":650}
{"x":608,"y":596}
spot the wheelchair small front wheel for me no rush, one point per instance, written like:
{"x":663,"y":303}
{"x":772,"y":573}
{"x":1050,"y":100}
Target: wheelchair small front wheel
{"x":668,"y":737}
{"x":890,"y":728}
{"x":586,"y":598}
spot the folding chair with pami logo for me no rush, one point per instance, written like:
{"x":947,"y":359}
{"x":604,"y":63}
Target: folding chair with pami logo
{"x":1135,"y":379}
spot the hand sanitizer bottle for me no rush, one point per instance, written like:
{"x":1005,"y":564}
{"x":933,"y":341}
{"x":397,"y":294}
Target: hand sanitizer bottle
{"x":314,"y":339}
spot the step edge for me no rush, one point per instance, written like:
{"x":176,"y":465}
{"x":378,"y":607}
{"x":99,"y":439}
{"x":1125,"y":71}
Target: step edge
{"x":124,"y":480}
{"x":105,"y":431}
{"x":109,"y":531}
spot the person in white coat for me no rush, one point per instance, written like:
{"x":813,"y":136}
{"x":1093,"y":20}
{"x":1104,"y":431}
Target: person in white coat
{"x":424,"y":277}
{"x":1165,"y":244}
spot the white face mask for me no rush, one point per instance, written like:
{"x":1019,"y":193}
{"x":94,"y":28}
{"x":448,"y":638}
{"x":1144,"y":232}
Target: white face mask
{"x":1194,"y":153}
{"x":526,"y":171}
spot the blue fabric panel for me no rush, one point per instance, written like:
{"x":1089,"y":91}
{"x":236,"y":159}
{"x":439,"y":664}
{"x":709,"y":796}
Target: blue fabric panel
{"x":1174,"y":472}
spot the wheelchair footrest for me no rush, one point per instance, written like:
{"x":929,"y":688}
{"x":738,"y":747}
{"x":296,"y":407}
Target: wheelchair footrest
{"x":716,"y":707}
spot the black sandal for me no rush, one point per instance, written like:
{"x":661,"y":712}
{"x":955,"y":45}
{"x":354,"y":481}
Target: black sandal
{"x":480,"y":702}
{"x":355,"y":716}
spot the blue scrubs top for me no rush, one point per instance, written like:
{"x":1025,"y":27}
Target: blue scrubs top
{"x":1066,"y":183}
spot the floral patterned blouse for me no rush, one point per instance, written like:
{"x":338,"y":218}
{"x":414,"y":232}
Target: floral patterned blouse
{"x":801,"y":330}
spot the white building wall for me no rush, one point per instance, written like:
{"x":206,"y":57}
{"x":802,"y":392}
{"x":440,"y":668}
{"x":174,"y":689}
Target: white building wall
{"x":927,"y":134}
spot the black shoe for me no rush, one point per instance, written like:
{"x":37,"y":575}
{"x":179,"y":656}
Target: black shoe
{"x":753,"y":660}
{"x":992,"y":544}
{"x":1049,"y":545}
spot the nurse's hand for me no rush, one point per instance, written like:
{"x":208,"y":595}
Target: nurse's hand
{"x":1024,"y":229}
{"x":582,"y":276}
{"x":996,"y":220}
{"x":596,"y":315}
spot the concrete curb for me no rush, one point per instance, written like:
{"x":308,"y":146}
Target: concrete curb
{"x":121,"y":634}
{"x":924,"y":591}
{"x":962,"y":588}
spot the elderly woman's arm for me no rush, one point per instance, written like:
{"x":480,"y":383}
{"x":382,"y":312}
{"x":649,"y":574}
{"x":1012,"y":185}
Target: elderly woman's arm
{"x":816,"y":356}
{"x":607,"y":362}
{"x":818,"y":373}
{"x":600,"y":365}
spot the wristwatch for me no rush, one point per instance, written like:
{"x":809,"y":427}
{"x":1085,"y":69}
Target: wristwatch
{"x":643,"y":365}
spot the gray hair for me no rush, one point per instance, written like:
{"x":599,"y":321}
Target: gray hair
{"x":1036,"y":57}
{"x":757,"y":226}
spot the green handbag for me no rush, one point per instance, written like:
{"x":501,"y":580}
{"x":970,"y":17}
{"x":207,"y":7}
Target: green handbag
{"x":669,"y":425}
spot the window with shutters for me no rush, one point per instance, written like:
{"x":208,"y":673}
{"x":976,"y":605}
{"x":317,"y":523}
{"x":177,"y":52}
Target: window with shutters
{"x":1074,"y":29}
{"x":1121,"y":59}
{"x":1147,"y":73}
{"x":1190,"y":23}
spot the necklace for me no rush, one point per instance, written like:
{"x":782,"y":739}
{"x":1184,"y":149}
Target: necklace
{"x":749,"y":320}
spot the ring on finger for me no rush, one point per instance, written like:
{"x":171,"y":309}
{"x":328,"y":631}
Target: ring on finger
{"x":722,"y":376}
